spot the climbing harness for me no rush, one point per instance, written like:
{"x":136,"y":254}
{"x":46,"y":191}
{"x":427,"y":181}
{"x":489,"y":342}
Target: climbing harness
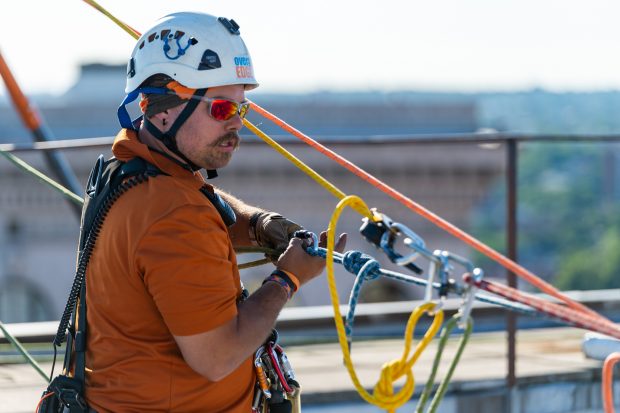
{"x":107,"y":182}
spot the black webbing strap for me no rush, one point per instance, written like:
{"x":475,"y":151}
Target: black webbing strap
{"x":186,"y":112}
{"x":80,"y":337}
{"x":113,"y":174}
{"x":104,"y":187}
{"x":169,"y":137}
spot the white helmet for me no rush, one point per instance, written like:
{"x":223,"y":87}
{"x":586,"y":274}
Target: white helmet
{"x":196,"y":49}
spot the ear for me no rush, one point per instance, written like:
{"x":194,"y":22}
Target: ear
{"x":161,"y":120}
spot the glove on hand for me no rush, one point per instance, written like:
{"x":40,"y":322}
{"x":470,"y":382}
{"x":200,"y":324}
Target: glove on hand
{"x":272,"y":230}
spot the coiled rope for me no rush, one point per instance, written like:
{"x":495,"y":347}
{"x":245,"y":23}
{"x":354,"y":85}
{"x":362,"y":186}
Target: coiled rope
{"x":383,"y":395}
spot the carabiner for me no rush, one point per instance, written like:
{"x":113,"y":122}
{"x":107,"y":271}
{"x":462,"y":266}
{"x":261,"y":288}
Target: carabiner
{"x":261,"y":374}
{"x":468,"y":300}
{"x":275,"y":364}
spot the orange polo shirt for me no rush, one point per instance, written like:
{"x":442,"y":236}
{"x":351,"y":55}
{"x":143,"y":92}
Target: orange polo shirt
{"x":163,"y":265}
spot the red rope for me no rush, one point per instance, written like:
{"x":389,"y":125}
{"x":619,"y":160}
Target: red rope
{"x":569,"y":315}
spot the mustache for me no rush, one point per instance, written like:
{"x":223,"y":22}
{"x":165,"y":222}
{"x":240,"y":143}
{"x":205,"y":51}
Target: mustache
{"x":230,"y":136}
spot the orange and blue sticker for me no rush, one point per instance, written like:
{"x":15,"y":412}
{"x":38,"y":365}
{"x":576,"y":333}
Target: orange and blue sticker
{"x":243,"y":67}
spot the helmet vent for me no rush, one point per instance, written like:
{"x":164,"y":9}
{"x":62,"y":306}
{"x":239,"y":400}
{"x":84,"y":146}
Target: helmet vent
{"x":210,"y":60}
{"x":131,"y":68}
{"x":230,"y":25}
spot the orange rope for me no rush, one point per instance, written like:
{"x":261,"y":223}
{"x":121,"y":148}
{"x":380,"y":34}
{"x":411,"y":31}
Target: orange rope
{"x":41,"y":401}
{"x":425,"y":213}
{"x":417,"y":208}
{"x":608,"y":384}
{"x":27,"y":113}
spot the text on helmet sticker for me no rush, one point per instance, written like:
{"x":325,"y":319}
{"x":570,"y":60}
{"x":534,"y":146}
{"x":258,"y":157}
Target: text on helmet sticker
{"x":243,"y":67}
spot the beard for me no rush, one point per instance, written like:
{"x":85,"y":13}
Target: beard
{"x":214,"y":157}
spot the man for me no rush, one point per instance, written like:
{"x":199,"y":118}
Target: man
{"x":167,"y":330}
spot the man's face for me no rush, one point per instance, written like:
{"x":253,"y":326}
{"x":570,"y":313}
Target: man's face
{"x":205,"y":141}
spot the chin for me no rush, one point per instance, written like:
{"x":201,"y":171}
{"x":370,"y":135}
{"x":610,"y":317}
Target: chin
{"x":220,"y":163}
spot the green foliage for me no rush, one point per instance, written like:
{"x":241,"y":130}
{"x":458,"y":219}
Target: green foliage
{"x":596,"y":267}
{"x":568,"y":215}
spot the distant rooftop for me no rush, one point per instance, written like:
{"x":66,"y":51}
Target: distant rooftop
{"x":88,"y":109}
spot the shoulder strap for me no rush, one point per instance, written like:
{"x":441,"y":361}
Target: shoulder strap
{"x":108,"y":180}
{"x":222,"y":207}
{"x":105,"y":177}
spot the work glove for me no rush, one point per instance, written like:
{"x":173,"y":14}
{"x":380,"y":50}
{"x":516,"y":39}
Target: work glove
{"x":272,"y":230}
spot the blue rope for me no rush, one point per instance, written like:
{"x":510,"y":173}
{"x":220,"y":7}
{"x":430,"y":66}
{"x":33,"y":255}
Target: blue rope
{"x":366,"y":268}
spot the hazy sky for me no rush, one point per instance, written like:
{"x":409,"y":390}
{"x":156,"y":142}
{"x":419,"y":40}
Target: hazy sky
{"x":464,"y":45}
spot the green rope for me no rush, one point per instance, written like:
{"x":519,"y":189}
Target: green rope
{"x":263,"y":250}
{"x":23,"y":352}
{"x":443,"y":339}
{"x":80,"y":201}
{"x":42,"y":177}
{"x":251,"y":264}
{"x":259,"y":250}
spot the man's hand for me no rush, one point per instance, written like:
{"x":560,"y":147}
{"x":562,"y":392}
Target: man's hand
{"x":272,"y":230}
{"x":303,"y":265}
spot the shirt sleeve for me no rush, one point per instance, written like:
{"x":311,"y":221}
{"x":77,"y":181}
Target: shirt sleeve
{"x":185,"y":259}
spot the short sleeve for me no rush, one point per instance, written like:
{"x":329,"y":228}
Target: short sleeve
{"x":185,"y":260}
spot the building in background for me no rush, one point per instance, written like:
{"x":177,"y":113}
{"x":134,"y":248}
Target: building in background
{"x":38,"y":231}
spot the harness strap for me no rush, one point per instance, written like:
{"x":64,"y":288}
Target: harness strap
{"x":168,"y":138}
{"x":108,"y":181}
{"x":80,"y":338}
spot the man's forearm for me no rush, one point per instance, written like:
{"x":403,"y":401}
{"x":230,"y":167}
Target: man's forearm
{"x":215,"y":357}
{"x":258,"y":314}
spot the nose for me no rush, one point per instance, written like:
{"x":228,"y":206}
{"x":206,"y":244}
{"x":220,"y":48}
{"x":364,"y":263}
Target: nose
{"x":235,"y":123}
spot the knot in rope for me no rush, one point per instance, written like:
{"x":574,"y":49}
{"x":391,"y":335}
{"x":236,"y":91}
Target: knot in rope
{"x":366,"y":268}
{"x":384,"y":389}
{"x":361,"y":264}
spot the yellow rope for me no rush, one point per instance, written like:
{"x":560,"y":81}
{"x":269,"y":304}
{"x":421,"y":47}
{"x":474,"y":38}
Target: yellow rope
{"x":132,"y":32}
{"x":383,"y":394}
{"x":331,"y":188}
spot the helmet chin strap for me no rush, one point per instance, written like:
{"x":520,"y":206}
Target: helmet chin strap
{"x":169,"y":137}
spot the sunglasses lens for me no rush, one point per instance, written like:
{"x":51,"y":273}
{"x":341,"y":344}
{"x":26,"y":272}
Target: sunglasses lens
{"x":244,"y":110}
{"x":223,"y":109}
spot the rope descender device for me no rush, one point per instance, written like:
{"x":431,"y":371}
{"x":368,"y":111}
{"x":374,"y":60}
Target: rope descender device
{"x":384,"y":232}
